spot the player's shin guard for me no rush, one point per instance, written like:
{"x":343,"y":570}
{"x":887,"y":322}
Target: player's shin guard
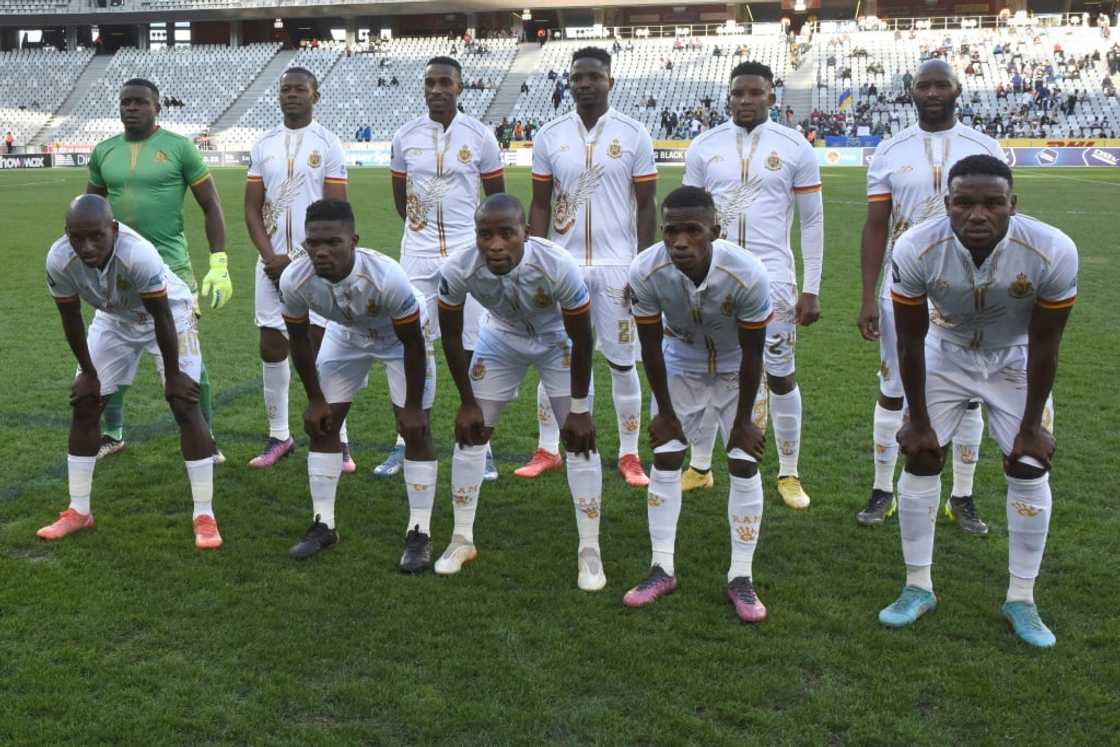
{"x":786,"y":411}
{"x":626,"y":391}
{"x":744,"y":514}
{"x":700,"y":457}
{"x":886,"y":425}
{"x":79,"y":471}
{"x":467,"y":465}
{"x":323,"y":471}
{"x":663,"y":510}
{"x":1028,"y":523}
{"x":206,"y":398}
{"x":966,"y":451}
{"x":201,"y":475}
{"x":277,"y":377}
{"x":549,"y":438}
{"x":585,"y":480}
{"x":918,"y":499}
{"x":420,"y":485}
{"x":114,"y":414}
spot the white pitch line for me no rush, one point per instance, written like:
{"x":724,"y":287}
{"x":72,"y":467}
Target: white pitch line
{"x":1068,"y":178}
{"x":21,"y":185}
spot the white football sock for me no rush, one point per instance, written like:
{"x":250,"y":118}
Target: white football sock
{"x":786,"y":411}
{"x":467,"y":465}
{"x":966,"y":451}
{"x":663,"y":510}
{"x":626,"y":390}
{"x":918,"y":500}
{"x":400,"y":441}
{"x":420,"y":485}
{"x":549,"y":438}
{"x":201,"y":475}
{"x":343,"y":436}
{"x":585,"y":480}
{"x":277,"y":378}
{"x":886,"y":425}
{"x":323,"y":471}
{"x":79,"y":470}
{"x":1028,"y":523}
{"x":760,"y":410}
{"x":700,"y":458}
{"x":744,"y":514}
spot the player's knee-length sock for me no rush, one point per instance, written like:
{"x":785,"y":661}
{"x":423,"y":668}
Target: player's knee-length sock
{"x":420,"y":485}
{"x":549,"y":438}
{"x":1028,"y":523}
{"x":786,"y":411}
{"x":966,"y":451}
{"x":114,"y":414}
{"x":918,"y":499}
{"x":206,"y":398}
{"x":886,"y":425}
{"x":343,"y":436}
{"x":79,"y":470}
{"x":744,"y":514}
{"x":200,"y":472}
{"x":626,"y":391}
{"x":467,"y":465}
{"x":700,"y":457}
{"x":323,"y":471}
{"x":277,"y":378}
{"x":585,"y":480}
{"x":663,"y":510}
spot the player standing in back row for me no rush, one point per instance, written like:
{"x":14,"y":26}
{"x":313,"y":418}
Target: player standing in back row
{"x":756,"y":170}
{"x":906,"y":185}
{"x":290,"y":167}
{"x":595,"y":186}
{"x":438,"y":161}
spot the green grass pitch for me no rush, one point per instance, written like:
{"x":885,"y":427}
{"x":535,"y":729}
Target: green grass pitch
{"x":128,"y":634}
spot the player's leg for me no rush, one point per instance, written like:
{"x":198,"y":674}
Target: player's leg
{"x":112,"y":430}
{"x":966,"y":453}
{"x":276,"y":374}
{"x":785,"y":396}
{"x":324,"y":468}
{"x":885,"y":423}
{"x":699,"y":476}
{"x":205,"y":391}
{"x":318,"y":328}
{"x":547,"y":456}
{"x":473,"y":312}
{"x":616,"y":338}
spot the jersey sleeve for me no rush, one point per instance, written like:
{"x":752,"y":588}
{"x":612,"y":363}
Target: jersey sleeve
{"x":645,"y":169}
{"x":295,"y":308}
{"x":908,"y":286}
{"x":452,"y":287}
{"x":693,"y":167}
{"x":1058,"y":288}
{"x":195,"y":170}
{"x":878,"y":178}
{"x":334,"y":167}
{"x":255,"y":173}
{"x":542,"y":168}
{"x":397,"y":165}
{"x":400,"y":299}
{"x":146,"y":273}
{"x":490,"y":159}
{"x":95,"y":177}
{"x":807,"y":173}
{"x":755,"y":309}
{"x":59,"y":284}
{"x":644,"y":304}
{"x":571,"y":289}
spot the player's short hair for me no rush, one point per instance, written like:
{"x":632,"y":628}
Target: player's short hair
{"x":444,"y":60}
{"x":327,"y":210}
{"x":303,"y":71}
{"x":594,"y":53}
{"x":750,"y":67}
{"x":144,"y":82}
{"x":981,"y":165}
{"x":688,"y":197}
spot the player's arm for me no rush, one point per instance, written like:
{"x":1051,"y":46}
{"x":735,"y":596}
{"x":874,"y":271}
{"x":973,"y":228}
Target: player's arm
{"x":493,"y":184}
{"x":334,"y":189}
{"x":917,"y":439}
{"x":93,"y":189}
{"x":540,"y":209}
{"x":400,"y":194}
{"x":810,"y":209}
{"x":645,"y":195}
{"x":578,"y":428}
{"x":176,"y":384}
{"x":96,"y":183}
{"x":469,"y":423}
{"x":411,"y":420}
{"x":873,"y":247}
{"x":745,"y":434}
{"x":317,"y":417}
{"x":490,"y":167}
{"x":86,"y":383}
{"x":254,"y":217}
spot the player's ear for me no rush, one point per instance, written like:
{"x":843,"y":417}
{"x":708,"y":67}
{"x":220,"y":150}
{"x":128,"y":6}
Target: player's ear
{"x":355,"y":238}
{"x":610,"y":83}
{"x":772,"y":98}
{"x":1014,"y":203}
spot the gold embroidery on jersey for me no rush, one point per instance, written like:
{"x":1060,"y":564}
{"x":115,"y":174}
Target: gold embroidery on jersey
{"x":422,"y":197}
{"x":1021,"y":288}
{"x":727,"y":308}
{"x":564,"y":204}
{"x":624,"y":331}
{"x":734,"y":206}
{"x":314,"y":160}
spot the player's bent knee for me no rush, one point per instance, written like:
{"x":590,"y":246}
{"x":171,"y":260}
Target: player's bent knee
{"x":925,"y":464}
{"x":668,"y":460}
{"x":183,"y":410}
{"x":274,"y":346}
{"x":973,"y":405}
{"x":891,"y":403}
{"x":1021,"y":471}
{"x":619,"y":367}
{"x":742,"y":467}
{"x":781,"y":384}
{"x":88,"y":408}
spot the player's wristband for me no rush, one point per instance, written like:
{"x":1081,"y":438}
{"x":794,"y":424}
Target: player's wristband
{"x":580,"y":405}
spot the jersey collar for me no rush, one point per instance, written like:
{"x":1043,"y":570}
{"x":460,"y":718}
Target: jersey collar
{"x":583,"y":131}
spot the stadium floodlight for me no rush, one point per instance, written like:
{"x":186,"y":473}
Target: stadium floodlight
{"x":526,"y":15}
{"x":278,"y":23}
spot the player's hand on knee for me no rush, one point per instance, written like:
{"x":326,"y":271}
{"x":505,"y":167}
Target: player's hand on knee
{"x":918,"y":441}
{"x":1036,"y":443}
{"x":470,"y":426}
{"x":868,"y":321}
{"x":274,"y":266}
{"x":179,"y":386}
{"x":317,"y":419}
{"x":86,"y":386}
{"x":412,"y":424}
{"x":664,"y":429}
{"x":747,"y":436}
{"x":807,"y":310}
{"x":579,"y":433}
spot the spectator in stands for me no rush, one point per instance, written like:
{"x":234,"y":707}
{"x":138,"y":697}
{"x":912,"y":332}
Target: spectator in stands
{"x":542,"y":36}
{"x":557,"y":96}
{"x":669,"y":65}
{"x":1017,"y":82}
{"x":394,"y":82}
{"x":616,"y":47}
{"x":518,"y":131}
{"x":907,"y":81}
{"x":524,"y":87}
{"x":716,"y":51}
{"x":1108,"y":87}
{"x":367,"y":134}
{"x":552,"y":74}
{"x":1113,"y":58}
{"x":10,"y":141}
{"x":358,"y":134}
{"x":380,"y":82}
{"x":651,"y":103}
{"x":707,"y":102}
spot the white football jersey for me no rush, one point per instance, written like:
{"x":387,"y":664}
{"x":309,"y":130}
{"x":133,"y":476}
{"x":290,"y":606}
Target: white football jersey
{"x":134,"y":273}
{"x":443,"y":170}
{"x":701,"y":321}
{"x":912,"y":171}
{"x":529,"y":300}
{"x":293,"y":165}
{"x":594,"y":214}
{"x":753,"y":177}
{"x":374,"y":297}
{"x":987,"y":307}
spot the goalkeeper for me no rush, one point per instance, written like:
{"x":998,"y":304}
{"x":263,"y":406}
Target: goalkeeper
{"x":145,"y":172}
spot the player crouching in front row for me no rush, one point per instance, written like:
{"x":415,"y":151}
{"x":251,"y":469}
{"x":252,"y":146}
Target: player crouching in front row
{"x":539,"y":315}
{"x":373,"y":313}
{"x":141,"y":306}
{"x":702,"y":305}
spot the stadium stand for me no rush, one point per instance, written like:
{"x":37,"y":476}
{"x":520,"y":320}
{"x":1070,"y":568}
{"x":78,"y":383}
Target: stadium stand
{"x":34,"y":84}
{"x":206,"y":79}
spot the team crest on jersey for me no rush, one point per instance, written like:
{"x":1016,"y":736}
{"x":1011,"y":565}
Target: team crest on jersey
{"x":906,"y":169}
{"x":727,"y":308}
{"x":464,"y":155}
{"x":478,"y":370}
{"x":614,"y":150}
{"x":541,"y":299}
{"x":940,"y":284}
{"x":123,"y":284}
{"x":371,"y":308}
{"x":314,"y":160}
{"x":1021,"y":288}
{"x":160,"y":156}
{"x":773,"y":161}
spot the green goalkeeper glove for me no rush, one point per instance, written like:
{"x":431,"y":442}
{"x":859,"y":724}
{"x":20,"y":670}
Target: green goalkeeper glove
{"x":217,"y":280}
